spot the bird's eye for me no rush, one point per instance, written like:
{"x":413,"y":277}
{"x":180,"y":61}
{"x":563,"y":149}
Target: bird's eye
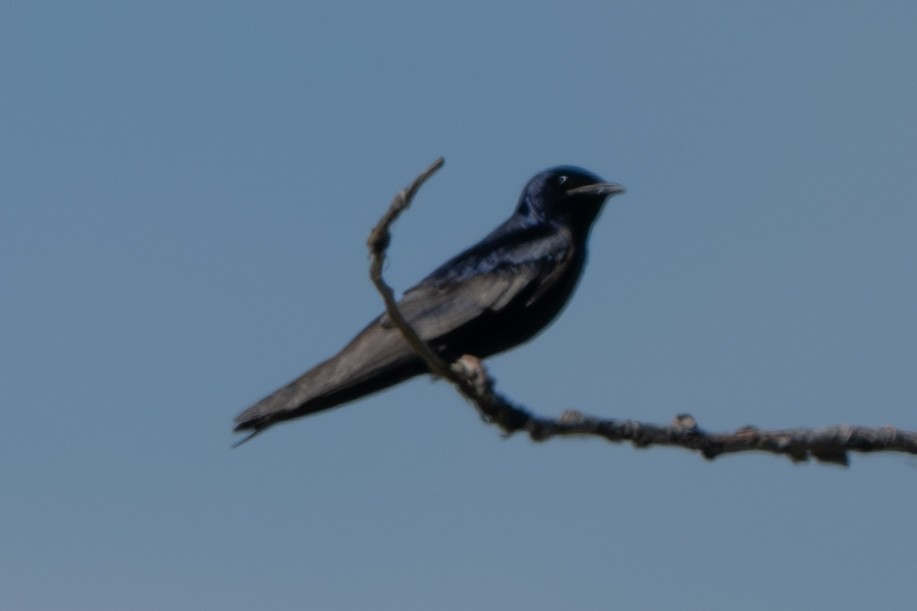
{"x":562,"y":179}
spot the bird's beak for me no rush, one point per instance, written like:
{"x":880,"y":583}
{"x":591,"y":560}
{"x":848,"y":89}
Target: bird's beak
{"x":600,"y":188}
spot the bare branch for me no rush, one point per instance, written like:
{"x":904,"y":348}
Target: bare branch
{"x":470,"y":378}
{"x":379,"y":239}
{"x":378,"y":242}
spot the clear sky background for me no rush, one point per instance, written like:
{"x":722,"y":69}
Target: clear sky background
{"x":185,"y":191}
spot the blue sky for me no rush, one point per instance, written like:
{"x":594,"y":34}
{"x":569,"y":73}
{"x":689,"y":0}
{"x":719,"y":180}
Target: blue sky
{"x":186,"y":190}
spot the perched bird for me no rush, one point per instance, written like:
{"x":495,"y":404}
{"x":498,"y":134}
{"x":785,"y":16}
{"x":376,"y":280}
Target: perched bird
{"x":496,"y":295}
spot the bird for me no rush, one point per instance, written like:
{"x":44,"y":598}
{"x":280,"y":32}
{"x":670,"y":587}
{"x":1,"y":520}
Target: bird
{"x":497,"y":294}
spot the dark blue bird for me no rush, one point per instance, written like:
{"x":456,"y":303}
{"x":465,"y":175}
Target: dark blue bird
{"x":496,"y":295}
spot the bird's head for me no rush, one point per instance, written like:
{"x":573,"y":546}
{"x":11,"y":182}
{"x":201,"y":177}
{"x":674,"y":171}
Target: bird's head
{"x":566,"y":195}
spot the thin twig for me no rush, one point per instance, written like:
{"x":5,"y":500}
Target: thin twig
{"x":471,"y":380}
{"x":379,"y":239}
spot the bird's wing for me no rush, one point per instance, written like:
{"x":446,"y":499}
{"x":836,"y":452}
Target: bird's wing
{"x":438,"y":306}
{"x":433,"y":311}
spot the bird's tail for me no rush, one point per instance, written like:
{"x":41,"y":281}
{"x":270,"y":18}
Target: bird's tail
{"x":377,"y":358}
